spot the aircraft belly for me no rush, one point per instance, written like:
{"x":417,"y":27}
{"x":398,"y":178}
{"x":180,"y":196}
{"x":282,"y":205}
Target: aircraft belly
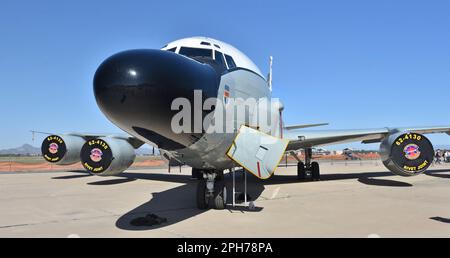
{"x":208,"y":156}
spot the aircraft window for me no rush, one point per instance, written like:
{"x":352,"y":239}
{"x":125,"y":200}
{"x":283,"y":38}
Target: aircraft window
{"x":172,"y":49}
{"x":196,"y":52}
{"x":205,"y":43}
{"x":217,"y":46}
{"x":205,"y":56}
{"x":230,"y":62}
{"x":220,"y":59}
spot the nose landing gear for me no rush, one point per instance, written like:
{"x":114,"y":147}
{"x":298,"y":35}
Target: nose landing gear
{"x":308,"y":168}
{"x":211,"y":191}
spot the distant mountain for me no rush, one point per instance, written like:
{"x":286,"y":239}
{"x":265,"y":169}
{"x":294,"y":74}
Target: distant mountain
{"x":25,"y":149}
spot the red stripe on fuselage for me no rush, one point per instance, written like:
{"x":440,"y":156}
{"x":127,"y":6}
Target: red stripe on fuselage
{"x":259,"y":171}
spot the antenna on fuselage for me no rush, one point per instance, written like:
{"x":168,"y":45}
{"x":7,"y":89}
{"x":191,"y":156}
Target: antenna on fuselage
{"x":269,"y":77}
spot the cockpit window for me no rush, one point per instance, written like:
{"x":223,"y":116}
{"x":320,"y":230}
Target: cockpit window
{"x":196,"y":53}
{"x":220,"y":60}
{"x":172,"y":49}
{"x":230,"y":62}
{"x":205,"y":43}
{"x":205,"y":56}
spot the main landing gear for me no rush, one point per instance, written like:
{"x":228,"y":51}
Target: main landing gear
{"x":211,"y":190}
{"x":308,"y":168}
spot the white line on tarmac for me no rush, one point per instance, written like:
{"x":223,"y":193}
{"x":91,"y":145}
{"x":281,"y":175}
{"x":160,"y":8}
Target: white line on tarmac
{"x":275,"y":193}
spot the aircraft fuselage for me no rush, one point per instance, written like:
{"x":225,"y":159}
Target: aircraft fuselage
{"x":137,"y":90}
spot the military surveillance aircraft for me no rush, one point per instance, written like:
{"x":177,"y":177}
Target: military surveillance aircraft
{"x":182,"y":99}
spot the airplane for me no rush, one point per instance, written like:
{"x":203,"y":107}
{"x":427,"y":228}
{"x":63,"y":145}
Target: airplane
{"x":148,"y":93}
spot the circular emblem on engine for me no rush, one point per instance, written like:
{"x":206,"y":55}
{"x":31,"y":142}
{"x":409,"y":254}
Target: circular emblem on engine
{"x":96,"y":155}
{"x":411,"y":154}
{"x":411,"y":151}
{"x":53,"y":148}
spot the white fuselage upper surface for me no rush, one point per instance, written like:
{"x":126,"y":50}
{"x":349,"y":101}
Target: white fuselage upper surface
{"x":239,"y":58}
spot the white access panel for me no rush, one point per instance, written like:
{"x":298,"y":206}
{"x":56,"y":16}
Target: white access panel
{"x":257,"y":152}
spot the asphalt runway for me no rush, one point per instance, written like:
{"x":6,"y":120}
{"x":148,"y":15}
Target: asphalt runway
{"x":354,"y":199}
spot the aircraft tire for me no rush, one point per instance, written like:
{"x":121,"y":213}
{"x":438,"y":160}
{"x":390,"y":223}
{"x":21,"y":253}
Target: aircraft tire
{"x":202,"y":202}
{"x":301,"y":171}
{"x":220,"y":195}
{"x":315,"y":171}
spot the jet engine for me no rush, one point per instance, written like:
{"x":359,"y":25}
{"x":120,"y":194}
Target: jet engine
{"x":407,"y":154}
{"x":107,"y":156}
{"x":62,"y":150}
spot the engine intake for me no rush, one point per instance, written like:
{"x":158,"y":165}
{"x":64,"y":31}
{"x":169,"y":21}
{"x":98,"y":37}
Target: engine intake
{"x":62,"y":150}
{"x":407,"y":154}
{"x":107,"y":156}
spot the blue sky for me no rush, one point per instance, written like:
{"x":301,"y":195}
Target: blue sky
{"x":355,"y":64}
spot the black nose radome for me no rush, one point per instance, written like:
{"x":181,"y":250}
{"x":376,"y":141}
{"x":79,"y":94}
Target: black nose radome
{"x":135,"y":90}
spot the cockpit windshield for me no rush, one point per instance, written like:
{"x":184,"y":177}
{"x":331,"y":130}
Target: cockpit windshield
{"x":220,"y":60}
{"x":205,"y":56}
{"x":220,"y":55}
{"x":196,"y":53}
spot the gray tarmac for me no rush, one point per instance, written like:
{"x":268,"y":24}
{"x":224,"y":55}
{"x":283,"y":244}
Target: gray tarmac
{"x":353,"y":199}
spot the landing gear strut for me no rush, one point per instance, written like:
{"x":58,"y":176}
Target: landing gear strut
{"x":211,"y":191}
{"x":308,"y":168}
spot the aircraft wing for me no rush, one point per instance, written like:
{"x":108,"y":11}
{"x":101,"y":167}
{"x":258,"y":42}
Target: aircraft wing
{"x":135,"y":142}
{"x":306,"y":139}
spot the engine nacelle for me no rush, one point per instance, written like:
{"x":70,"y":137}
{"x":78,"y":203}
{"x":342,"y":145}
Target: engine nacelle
{"x":407,"y":154}
{"x":62,"y":150}
{"x":107,"y":156}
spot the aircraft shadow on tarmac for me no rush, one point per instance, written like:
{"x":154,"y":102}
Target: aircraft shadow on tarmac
{"x":70,"y":177}
{"x":438,"y":173}
{"x":179,"y":203}
{"x":113,"y":181}
{"x":383,"y":182}
{"x":80,"y":173}
{"x":368,"y":178}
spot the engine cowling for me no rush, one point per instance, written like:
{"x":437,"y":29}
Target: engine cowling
{"x":62,"y":150}
{"x":407,"y":154}
{"x":107,"y":156}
